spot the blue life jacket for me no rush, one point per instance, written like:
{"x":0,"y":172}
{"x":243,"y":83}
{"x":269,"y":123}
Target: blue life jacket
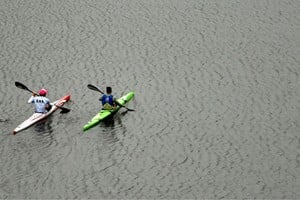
{"x":107,"y":99}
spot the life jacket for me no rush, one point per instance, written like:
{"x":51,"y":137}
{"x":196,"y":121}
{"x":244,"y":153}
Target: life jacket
{"x":107,"y":99}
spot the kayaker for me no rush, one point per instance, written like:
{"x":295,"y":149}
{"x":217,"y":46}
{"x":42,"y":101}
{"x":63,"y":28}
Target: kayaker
{"x":108,"y":100}
{"x":41,"y":102}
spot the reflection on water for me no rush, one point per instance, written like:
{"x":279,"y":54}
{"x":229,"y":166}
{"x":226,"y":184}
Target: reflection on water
{"x":44,"y":126}
{"x":111,"y":128}
{"x":109,"y":122}
{"x":4,"y":120}
{"x":114,"y":119}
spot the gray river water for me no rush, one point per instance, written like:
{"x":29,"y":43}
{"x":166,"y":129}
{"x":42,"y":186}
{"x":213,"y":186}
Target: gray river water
{"x":217,"y":99}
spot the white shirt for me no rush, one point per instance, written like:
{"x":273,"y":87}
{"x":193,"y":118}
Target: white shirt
{"x":40,"y":103}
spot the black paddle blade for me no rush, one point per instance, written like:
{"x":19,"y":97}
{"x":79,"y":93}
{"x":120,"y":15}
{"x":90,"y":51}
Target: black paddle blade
{"x":129,"y":109}
{"x":91,"y":87}
{"x":21,"y":85}
{"x":65,"y":111}
{"x":94,"y":88}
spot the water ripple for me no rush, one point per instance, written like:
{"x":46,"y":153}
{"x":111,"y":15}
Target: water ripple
{"x":216,"y":99}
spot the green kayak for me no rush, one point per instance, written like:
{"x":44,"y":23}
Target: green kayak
{"x":103,"y":114}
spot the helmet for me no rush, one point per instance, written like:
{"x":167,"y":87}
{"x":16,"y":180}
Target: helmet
{"x":43,"y":92}
{"x":108,"y":90}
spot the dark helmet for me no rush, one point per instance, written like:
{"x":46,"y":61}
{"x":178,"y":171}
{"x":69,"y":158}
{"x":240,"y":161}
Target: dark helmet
{"x":108,"y":90}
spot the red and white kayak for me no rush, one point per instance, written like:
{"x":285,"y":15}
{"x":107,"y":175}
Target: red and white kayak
{"x":39,"y":116}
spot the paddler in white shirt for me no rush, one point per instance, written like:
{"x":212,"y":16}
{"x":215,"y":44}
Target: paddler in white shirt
{"x":41,"y":102}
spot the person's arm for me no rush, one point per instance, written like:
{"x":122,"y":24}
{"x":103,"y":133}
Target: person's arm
{"x":48,"y":105}
{"x":100,"y":99}
{"x":30,"y":100}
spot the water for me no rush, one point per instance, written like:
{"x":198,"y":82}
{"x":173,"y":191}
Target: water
{"x":216,"y":97}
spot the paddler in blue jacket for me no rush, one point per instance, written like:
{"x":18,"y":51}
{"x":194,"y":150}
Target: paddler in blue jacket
{"x":41,"y":102}
{"x":108,"y":101}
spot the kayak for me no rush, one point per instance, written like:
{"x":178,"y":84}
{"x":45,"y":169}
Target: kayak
{"x":36,"y":117}
{"x":103,"y":114}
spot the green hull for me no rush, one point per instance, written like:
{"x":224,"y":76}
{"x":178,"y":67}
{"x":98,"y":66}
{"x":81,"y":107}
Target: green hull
{"x":103,"y":114}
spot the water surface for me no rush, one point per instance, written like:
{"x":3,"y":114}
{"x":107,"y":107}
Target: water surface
{"x":217,"y":99}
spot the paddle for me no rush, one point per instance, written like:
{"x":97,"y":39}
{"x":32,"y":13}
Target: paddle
{"x":22,"y":86}
{"x":98,"y":90}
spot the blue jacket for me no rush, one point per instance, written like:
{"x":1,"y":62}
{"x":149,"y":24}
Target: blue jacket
{"x":107,"y":99}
